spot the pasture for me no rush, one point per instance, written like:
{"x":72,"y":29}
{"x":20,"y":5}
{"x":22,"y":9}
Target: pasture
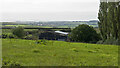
{"x":25,"y":26}
{"x":58,"y":53}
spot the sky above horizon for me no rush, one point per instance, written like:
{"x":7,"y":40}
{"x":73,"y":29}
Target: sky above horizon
{"x":48,"y":10}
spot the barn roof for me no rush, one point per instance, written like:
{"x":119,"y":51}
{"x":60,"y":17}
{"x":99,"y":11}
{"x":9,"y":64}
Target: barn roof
{"x":61,"y":32}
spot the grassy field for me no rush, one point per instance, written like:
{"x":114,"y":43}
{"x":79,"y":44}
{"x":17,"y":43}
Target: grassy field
{"x":58,"y":53}
{"x":25,"y":26}
{"x":9,"y":31}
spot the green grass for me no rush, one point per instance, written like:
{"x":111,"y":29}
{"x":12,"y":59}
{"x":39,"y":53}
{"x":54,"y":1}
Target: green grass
{"x":73,"y":25}
{"x":26,"y":26}
{"x":59,"y":53}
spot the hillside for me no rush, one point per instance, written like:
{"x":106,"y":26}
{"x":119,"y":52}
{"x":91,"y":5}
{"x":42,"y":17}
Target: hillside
{"x":55,"y":53}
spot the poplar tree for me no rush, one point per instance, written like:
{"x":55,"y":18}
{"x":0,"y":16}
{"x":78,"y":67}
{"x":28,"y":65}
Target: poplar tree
{"x":109,"y":20}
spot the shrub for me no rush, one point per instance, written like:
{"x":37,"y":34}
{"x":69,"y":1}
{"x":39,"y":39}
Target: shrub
{"x":11,"y":36}
{"x":7,"y":35}
{"x":84,"y":33}
{"x":19,"y":32}
{"x":43,"y":42}
{"x":112,"y":41}
{"x":117,"y":42}
{"x":34,"y":37}
{"x":100,"y":42}
{"x":4,"y":35}
{"x":28,"y":37}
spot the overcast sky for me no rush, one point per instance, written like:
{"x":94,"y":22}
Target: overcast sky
{"x":46,"y":10}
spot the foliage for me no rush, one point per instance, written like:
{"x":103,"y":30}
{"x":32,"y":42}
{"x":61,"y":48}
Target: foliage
{"x":109,"y":21}
{"x":35,"y":37}
{"x":112,"y":41}
{"x":84,"y":33}
{"x":7,"y":35}
{"x":100,"y":42}
{"x":19,"y":32}
{"x":59,"y":54}
{"x":43,"y":41}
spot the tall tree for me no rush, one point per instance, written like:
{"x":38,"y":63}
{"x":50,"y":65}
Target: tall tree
{"x":102,"y":21}
{"x":109,"y":20}
{"x":118,"y":21}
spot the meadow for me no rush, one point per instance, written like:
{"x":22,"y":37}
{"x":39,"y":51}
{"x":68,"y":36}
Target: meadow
{"x":25,"y":26}
{"x":58,"y":53}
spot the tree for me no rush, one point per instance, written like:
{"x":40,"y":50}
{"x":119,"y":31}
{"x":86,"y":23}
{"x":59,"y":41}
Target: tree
{"x":19,"y":32}
{"x":84,"y":33}
{"x":118,"y":19}
{"x":102,"y":21}
{"x":109,"y":20}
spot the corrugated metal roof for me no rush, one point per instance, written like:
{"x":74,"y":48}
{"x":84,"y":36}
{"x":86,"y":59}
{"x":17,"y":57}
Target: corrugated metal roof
{"x":61,"y":32}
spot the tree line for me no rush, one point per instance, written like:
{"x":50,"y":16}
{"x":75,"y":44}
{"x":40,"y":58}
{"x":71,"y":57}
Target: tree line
{"x":109,"y":20}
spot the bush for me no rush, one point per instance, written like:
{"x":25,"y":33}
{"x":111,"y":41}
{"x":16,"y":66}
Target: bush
{"x":19,"y":32}
{"x":34,"y":37}
{"x":100,"y":42}
{"x":43,"y":42}
{"x":28,"y":37}
{"x":11,"y":36}
{"x":84,"y":33}
{"x":4,"y":35}
{"x":31,"y":37}
{"x":116,"y":42}
{"x":112,"y":41}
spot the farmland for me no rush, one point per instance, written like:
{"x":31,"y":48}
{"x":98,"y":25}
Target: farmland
{"x":70,"y":33}
{"x":58,"y":53}
{"x":55,"y":53}
{"x":49,"y":24}
{"x":25,"y":26}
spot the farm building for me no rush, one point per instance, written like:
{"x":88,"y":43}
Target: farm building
{"x":56,"y":35}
